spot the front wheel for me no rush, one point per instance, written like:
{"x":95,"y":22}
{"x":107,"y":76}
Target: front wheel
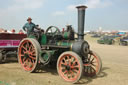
{"x":70,"y":66}
{"x":92,"y":65}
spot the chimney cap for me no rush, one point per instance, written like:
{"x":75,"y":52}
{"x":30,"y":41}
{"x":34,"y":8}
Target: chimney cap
{"x":81,"y":7}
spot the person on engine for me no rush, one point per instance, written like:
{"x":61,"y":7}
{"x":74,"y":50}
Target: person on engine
{"x":29,"y":26}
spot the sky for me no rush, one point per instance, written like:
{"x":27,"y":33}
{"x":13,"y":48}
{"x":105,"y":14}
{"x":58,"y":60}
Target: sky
{"x":108,"y":14}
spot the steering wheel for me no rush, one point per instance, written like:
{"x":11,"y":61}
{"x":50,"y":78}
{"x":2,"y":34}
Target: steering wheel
{"x":52,"y":30}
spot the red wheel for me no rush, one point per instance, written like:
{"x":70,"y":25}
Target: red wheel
{"x":28,"y":54}
{"x":92,"y":65}
{"x":70,"y":66}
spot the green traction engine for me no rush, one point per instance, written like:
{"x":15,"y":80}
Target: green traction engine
{"x":72,"y":56}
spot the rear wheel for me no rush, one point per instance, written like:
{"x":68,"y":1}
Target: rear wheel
{"x":92,"y":65}
{"x":70,"y":66}
{"x":28,"y":54}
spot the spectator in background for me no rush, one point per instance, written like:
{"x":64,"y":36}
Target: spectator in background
{"x":21,"y":32}
{"x":5,"y":31}
{"x":13,"y":31}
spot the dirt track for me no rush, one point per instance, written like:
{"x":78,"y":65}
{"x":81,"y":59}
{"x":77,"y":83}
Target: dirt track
{"x":114,"y":71}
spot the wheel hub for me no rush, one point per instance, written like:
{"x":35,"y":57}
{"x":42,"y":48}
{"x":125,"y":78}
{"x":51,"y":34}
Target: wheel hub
{"x":26,"y":55}
{"x":68,"y":67}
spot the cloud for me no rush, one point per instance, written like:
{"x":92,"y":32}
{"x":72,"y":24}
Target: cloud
{"x":26,"y":4}
{"x":58,"y":13}
{"x":92,"y":4}
{"x":22,"y":5}
{"x":98,"y":3}
{"x":71,"y":7}
{"x":16,"y":11}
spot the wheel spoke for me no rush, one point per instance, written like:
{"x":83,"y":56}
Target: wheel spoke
{"x":32,"y":57}
{"x":27,"y":60}
{"x":72,"y":74}
{"x":93,"y":64}
{"x":73,"y":67}
{"x":24,"y":59}
{"x":24,"y":52}
{"x":74,"y":63}
{"x":33,"y":61}
{"x":31,"y":64}
{"x":93,"y":69}
{"x":69,"y":62}
{"x":33,"y":54}
{"x":65,"y":72}
{"x":33,"y":51}
{"x":89,"y":58}
{"x":63,"y":64}
{"x":68,"y":75}
{"x":30,"y":48}
{"x":75,"y":70}
{"x":27,"y":44}
{"x":92,"y":60}
{"x":28,"y":64}
{"x":24,"y":47}
{"x":68,"y":57}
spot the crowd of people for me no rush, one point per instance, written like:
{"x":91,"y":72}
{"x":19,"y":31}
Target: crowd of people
{"x":13,"y":31}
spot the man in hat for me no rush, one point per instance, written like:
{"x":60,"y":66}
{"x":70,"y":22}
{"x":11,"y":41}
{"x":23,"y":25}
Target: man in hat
{"x":29,"y":26}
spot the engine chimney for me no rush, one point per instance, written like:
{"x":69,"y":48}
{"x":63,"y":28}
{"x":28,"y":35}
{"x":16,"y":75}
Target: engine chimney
{"x":81,"y":19}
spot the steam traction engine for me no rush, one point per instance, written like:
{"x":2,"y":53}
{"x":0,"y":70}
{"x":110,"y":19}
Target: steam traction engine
{"x":73,"y":56}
